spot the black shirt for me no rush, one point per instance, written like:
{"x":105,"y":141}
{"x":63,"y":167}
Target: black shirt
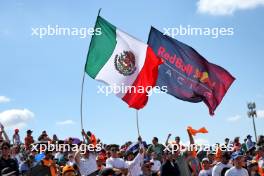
{"x":9,"y":163}
{"x":169,"y":169}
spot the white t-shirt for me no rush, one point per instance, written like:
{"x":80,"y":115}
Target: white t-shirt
{"x":236,"y":172}
{"x":87,"y":165}
{"x":134,"y":166}
{"x":118,"y":163}
{"x":217,"y":169}
{"x":205,"y":172}
{"x":156,"y":165}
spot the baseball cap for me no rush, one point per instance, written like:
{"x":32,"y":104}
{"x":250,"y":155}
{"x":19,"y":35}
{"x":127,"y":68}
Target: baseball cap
{"x":236,"y":154}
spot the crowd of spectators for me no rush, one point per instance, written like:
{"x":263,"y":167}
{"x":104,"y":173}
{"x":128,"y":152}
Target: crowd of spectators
{"x":28,"y":157}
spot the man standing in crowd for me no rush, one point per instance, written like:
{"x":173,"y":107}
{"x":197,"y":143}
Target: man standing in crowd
{"x":116,"y":164}
{"x":86,"y":163}
{"x":6,"y":161}
{"x":16,"y":137}
{"x":29,"y":139}
{"x":239,"y":163}
{"x":169,"y":167}
{"x":156,"y":164}
{"x":134,"y":163}
{"x":223,"y":165}
{"x":207,"y":170}
{"x":156,"y":147}
{"x":49,"y":162}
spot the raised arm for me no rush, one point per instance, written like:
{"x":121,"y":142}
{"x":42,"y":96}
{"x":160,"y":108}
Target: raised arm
{"x":190,"y":137}
{"x":6,"y":138}
{"x":167,"y":140}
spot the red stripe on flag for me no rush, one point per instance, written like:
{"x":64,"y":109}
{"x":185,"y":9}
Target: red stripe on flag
{"x":147,"y":77}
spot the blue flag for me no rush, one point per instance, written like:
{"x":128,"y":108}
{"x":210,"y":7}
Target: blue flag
{"x":188,"y":75}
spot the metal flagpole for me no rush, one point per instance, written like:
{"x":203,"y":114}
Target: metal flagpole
{"x":137,"y":122}
{"x":82,"y":100}
{"x":83,"y":79}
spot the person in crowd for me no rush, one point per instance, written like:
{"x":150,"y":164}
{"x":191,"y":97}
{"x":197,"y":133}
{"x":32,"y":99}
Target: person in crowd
{"x":260,"y":141}
{"x":6,"y":161}
{"x":156,"y":147}
{"x":237,"y":145}
{"x":221,"y":167}
{"x":49,"y":162}
{"x":226,"y":141}
{"x":156,"y":164}
{"x":249,"y":142}
{"x":29,"y":139}
{"x":170,"y":167}
{"x":260,"y":159}
{"x":55,"y":139}
{"x":16,"y":154}
{"x":86,"y":162}
{"x":90,"y":137}
{"x":134,"y":163}
{"x":252,"y":168}
{"x":44,"y":137}
{"x":16,"y":137}
{"x":239,"y":164}
{"x":71,"y":160}
{"x":115,"y":163}
{"x":68,"y":171}
{"x":25,"y":166}
{"x":207,"y":170}
{"x":3,"y":135}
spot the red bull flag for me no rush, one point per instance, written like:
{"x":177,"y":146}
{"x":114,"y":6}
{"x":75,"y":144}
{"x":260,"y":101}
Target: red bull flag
{"x":123,"y":62}
{"x":188,"y":75}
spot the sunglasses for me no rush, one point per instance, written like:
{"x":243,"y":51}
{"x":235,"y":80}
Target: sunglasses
{"x":5,"y":148}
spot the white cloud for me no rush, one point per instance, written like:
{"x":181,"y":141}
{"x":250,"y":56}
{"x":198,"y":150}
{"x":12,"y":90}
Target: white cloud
{"x":4,"y":99}
{"x":260,"y":113}
{"x":16,"y":118}
{"x":226,"y":7}
{"x":234,"y":118}
{"x":66,"y":122}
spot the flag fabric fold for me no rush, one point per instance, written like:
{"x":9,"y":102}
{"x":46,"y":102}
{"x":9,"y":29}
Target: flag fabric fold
{"x":123,"y":62}
{"x":194,"y":132}
{"x":188,"y":75}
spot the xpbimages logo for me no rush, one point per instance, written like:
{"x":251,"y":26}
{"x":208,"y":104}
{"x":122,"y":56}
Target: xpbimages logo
{"x":56,"y":30}
{"x":42,"y":147}
{"x":123,"y":89}
{"x":213,"y":32}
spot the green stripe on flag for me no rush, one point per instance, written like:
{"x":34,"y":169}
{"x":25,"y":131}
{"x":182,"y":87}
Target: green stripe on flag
{"x":101,"y":47}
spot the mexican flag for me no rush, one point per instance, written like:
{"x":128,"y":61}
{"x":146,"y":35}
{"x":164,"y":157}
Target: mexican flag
{"x":126,"y":64}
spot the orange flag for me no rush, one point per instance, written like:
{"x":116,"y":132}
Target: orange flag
{"x":194,"y":132}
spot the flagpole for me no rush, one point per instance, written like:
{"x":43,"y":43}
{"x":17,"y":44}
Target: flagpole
{"x":137,"y":123}
{"x":83,"y":79}
{"x":82,"y":99}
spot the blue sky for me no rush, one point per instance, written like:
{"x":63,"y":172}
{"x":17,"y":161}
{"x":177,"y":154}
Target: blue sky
{"x":40,"y":79}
